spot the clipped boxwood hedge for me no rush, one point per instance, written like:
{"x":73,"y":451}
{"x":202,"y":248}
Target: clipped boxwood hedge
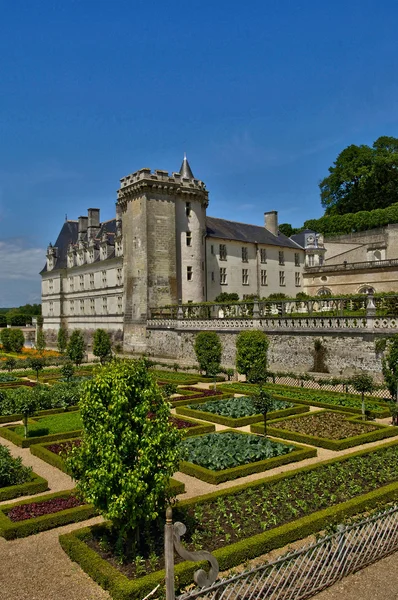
{"x":241,"y":421}
{"x":40,"y":413}
{"x":11,"y":530}
{"x":380,"y":432}
{"x":36,"y":485}
{"x":9,"y":434}
{"x":122,"y":588}
{"x":200,"y":400}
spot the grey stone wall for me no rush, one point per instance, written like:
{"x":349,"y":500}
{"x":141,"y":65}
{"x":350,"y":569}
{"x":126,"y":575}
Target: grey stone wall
{"x":345,"y":353}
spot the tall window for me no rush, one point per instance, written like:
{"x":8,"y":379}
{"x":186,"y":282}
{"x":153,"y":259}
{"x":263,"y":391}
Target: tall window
{"x":119,"y":304}
{"x":263,"y":255}
{"x":81,"y":282}
{"x":103,"y":275}
{"x":244,"y":254}
{"x":189,"y":238}
{"x":281,"y":257}
{"x":212,"y":275}
{"x":188,"y":209}
{"x":82,"y":307}
{"x":311,"y":260}
{"x":245,"y":276}
{"x":189,"y":273}
{"x":281,"y":277}
{"x":223,"y":252}
{"x":50,"y":285}
{"x":119,"y":276}
{"x":297,"y":278}
{"x":72,"y":307}
{"x":296,"y":259}
{"x":264,"y":280}
{"x":92,"y":284}
{"x":104,"y":305}
{"x":91,"y":255}
{"x":223,"y":276}
{"x":211,"y":249}
{"x":51,"y":308}
{"x":92,"y":306}
{"x":71,"y":284}
{"x":320,"y":260}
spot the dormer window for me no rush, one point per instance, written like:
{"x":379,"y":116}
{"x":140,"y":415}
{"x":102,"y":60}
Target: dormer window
{"x":119,"y":248}
{"x":71,"y":260}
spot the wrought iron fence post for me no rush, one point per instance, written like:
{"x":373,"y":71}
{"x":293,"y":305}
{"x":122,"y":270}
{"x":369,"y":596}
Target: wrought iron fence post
{"x":169,"y":554}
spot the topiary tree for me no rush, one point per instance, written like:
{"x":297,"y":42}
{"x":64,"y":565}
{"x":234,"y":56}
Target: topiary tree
{"x":208,"y":351}
{"x":37,"y":365}
{"x":251,"y":355}
{"x":168,"y":389}
{"x":76,"y":347}
{"x":40,"y":341}
{"x":16,"y":340}
{"x":62,"y":339}
{"x":5,"y":340}
{"x":10,"y":364}
{"x":67,"y":371}
{"x":25,"y":402}
{"x":363,"y":384}
{"x":263,"y":402}
{"x":102,"y":346}
{"x":129,"y":450}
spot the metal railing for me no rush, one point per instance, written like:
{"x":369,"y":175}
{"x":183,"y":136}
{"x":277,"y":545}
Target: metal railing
{"x":303,"y":573}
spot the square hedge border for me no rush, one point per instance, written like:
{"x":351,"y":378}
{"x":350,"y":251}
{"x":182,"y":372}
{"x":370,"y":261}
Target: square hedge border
{"x":40,"y":413}
{"x":380,"y":432}
{"x":240,"y":421}
{"x":379,"y":414}
{"x":11,"y":530}
{"x":9,"y":434}
{"x":36,"y":485}
{"x":175,"y":402}
{"x":216,"y":477}
{"x":232,"y":555}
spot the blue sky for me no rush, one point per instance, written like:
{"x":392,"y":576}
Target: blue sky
{"x":261,"y":95}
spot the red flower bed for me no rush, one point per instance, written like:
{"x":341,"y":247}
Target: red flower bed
{"x":63,"y":446}
{"x":37,"y":509}
{"x":180,"y":423}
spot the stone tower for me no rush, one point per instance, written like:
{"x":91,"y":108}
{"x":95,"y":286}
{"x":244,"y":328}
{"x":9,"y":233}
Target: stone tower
{"x":164,"y":247}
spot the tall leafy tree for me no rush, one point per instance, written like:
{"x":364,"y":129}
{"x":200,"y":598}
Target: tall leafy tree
{"x":76,"y":347}
{"x":362,"y":178}
{"x":40,"y":341}
{"x":102,"y":347}
{"x":17,"y":340}
{"x":208,"y":351}
{"x":251,"y":355}
{"x":363,"y":384}
{"x":129,"y":450}
{"x":62,"y":339}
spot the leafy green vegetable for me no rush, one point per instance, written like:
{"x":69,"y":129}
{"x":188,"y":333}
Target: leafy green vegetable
{"x":236,"y":407}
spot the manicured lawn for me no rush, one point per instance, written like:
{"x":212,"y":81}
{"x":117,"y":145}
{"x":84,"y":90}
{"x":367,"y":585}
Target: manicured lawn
{"x":59,"y":423}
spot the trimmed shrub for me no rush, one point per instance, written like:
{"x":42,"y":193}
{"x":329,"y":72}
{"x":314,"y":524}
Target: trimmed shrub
{"x":251,"y":355}
{"x":208,"y":352}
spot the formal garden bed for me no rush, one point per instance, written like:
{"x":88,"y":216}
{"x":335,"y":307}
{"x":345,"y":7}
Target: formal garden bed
{"x":187,"y":393}
{"x":245,"y":521}
{"x":327,"y":429}
{"x":45,"y":429}
{"x":237,"y":412}
{"x":344,"y":402}
{"x":226,"y":455}
{"x":16,"y":479}
{"x":27,"y":517}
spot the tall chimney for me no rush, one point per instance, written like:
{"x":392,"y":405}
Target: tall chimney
{"x":271,"y":221}
{"x":82,"y":227}
{"x":93,"y":222}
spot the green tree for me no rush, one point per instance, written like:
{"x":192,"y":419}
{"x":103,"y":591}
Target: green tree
{"x":5,"y":340}
{"x":37,"y":365}
{"x":208,"y":351}
{"x":362,"y":178}
{"x":363,"y":384}
{"x":10,"y":364}
{"x":390,"y":372}
{"x":40,"y":341}
{"x":17,"y":340}
{"x":62,"y":339}
{"x":102,"y":346}
{"x":168,"y":389}
{"x":227,"y":297}
{"x":67,"y":371}
{"x":25,"y":402}
{"x":76,"y":347}
{"x":263,"y":402}
{"x":251,"y":355}
{"x":287,"y":229}
{"x":126,"y":459}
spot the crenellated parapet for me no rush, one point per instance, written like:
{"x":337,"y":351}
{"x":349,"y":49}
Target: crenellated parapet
{"x":161,"y":182}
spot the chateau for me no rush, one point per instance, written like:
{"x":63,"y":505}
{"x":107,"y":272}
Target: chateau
{"x":161,"y":249}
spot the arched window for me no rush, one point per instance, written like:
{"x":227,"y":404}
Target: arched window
{"x":324,"y":292}
{"x":366,"y":289}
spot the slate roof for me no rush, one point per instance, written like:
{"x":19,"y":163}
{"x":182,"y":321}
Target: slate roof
{"x":69,"y":234}
{"x":231,"y":230}
{"x":299,"y":238}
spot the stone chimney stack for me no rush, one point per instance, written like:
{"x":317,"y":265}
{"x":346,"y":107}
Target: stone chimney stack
{"x":93,"y":222}
{"x":271,"y":221}
{"x":82,"y":227}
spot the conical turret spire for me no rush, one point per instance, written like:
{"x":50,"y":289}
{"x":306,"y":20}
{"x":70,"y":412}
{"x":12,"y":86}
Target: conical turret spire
{"x":185,"y":170}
